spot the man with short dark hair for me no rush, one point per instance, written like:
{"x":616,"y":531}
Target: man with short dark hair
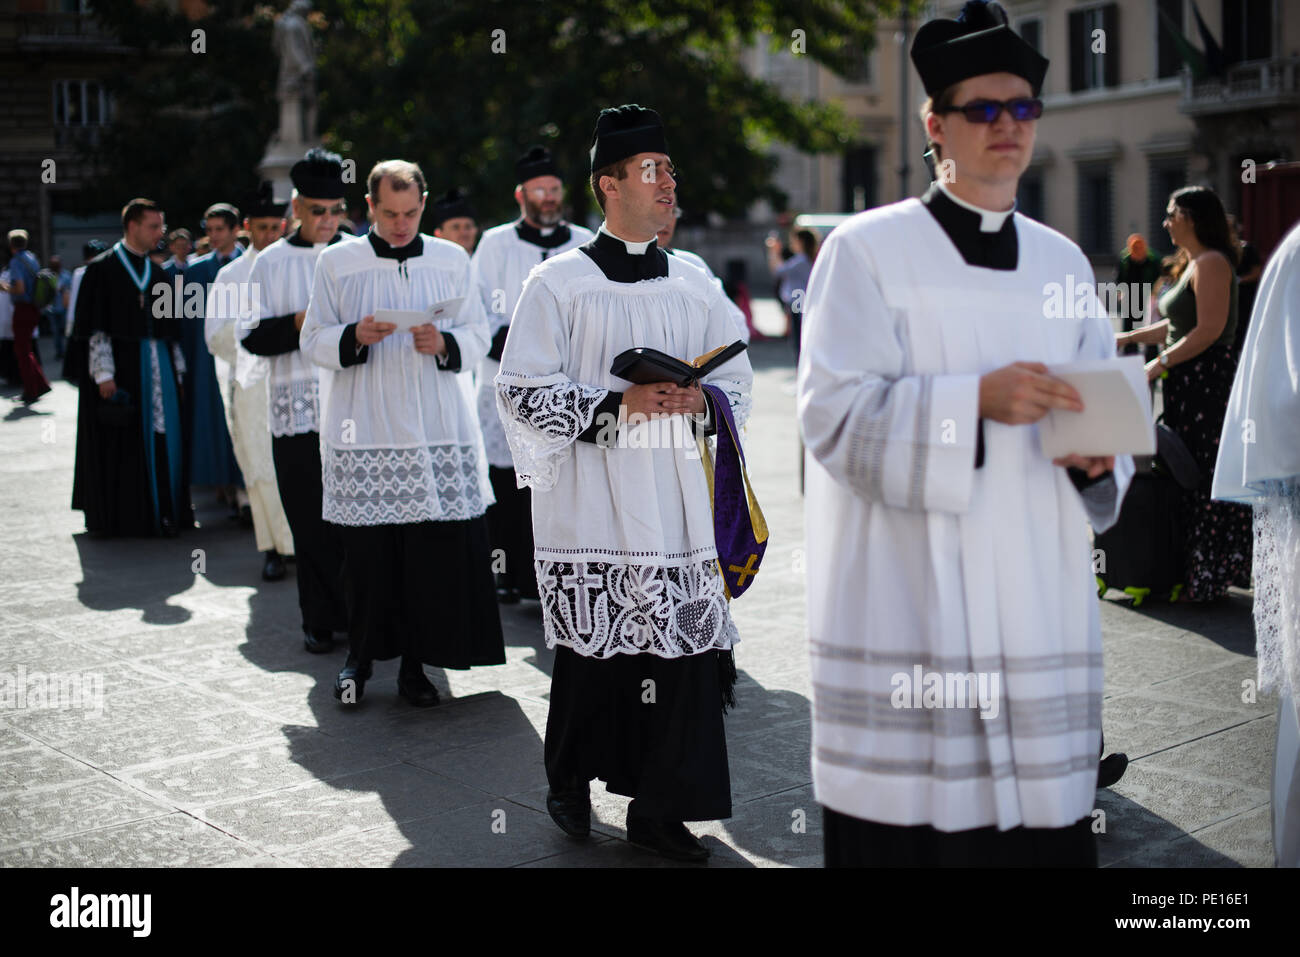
{"x":505,"y":256}
{"x":400,"y":444}
{"x":633,"y":599}
{"x":127,"y":478}
{"x":241,"y":377}
{"x":453,"y":219}
{"x":210,"y":457}
{"x":180,"y":243}
{"x":280,"y":287}
{"x":952,"y":616}
{"x":21,"y":287}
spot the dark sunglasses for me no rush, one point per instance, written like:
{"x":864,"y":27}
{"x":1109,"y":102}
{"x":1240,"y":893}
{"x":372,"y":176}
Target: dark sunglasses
{"x":338,"y":210}
{"x":987,"y":111}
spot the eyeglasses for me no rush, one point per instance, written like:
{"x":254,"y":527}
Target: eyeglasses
{"x":1022,"y":108}
{"x":546,"y":192}
{"x":338,"y":210}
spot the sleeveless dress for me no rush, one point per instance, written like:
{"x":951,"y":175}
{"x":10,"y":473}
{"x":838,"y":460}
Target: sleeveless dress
{"x":1217,"y":535}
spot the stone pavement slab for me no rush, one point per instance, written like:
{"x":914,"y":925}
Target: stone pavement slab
{"x":217,"y":742}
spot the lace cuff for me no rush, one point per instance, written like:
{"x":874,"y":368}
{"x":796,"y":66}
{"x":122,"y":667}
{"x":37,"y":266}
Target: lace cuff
{"x":542,"y":418}
{"x":102,"y":367}
{"x":1277,"y":587}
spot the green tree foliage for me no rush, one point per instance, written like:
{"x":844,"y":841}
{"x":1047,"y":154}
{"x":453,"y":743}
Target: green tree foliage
{"x":465,"y":111}
{"x":188,"y":127}
{"x":427,"y":80}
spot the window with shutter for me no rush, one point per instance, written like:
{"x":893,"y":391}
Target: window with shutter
{"x":1164,"y":175}
{"x":1168,"y":62}
{"x":1094,"y":208}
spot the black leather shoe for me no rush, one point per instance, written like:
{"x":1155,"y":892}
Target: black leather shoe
{"x":318,"y":642}
{"x":350,"y":684}
{"x":508,"y":596}
{"x":668,"y":839}
{"x":1111,"y":769}
{"x":417,"y":689}
{"x":273,"y":569}
{"x":169,"y":529}
{"x":571,"y":810}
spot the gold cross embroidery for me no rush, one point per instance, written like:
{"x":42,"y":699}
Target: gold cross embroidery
{"x":747,"y":572}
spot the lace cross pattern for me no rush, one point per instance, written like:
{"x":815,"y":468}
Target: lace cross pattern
{"x":601,"y":609}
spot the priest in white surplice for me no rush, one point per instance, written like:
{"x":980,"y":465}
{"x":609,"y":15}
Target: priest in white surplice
{"x":400,"y":445}
{"x":1259,"y":464}
{"x":504,"y":257}
{"x":229,"y":297}
{"x":941,"y":542}
{"x":280,"y":288}
{"x":632,"y":599}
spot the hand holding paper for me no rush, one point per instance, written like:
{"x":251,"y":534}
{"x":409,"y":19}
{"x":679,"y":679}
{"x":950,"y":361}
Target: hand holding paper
{"x":404,"y":320}
{"x":1116,"y":417}
{"x":369,"y":331}
{"x":428,"y":340}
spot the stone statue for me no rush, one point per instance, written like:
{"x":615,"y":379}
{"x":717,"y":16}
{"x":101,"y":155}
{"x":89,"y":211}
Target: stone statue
{"x":296,"y":89}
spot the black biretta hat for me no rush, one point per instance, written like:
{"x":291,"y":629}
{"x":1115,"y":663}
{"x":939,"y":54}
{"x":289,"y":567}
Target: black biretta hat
{"x":536,"y":162}
{"x":318,"y":175}
{"x":264,"y":205}
{"x":623,"y":131}
{"x":452,"y":205}
{"x":979,"y":41}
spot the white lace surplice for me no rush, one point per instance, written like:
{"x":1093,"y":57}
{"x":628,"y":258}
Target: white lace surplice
{"x":625,"y":553}
{"x":500,"y":265}
{"x":400,"y":442}
{"x":279,"y":285}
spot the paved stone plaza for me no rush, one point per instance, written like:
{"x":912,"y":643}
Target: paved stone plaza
{"x":220,"y":743}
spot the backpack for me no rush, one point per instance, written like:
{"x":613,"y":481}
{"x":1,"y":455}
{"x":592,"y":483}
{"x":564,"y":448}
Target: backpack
{"x":47,"y":287}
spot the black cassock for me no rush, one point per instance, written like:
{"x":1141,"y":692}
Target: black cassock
{"x":317,"y":545}
{"x":127,"y":476}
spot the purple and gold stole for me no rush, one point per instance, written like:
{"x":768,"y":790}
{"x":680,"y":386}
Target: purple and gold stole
{"x":739,"y":529}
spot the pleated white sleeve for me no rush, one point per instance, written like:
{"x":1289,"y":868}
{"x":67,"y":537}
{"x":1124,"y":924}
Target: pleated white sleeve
{"x":895,"y":437}
{"x":1102,"y":500}
{"x":470,"y":326}
{"x":323,"y":327}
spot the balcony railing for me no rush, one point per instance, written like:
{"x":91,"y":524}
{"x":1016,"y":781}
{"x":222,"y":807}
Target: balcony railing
{"x":1262,"y":84}
{"x":60,"y":31}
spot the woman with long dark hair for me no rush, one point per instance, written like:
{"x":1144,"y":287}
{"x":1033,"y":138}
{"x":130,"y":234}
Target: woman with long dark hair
{"x":1197,"y":362}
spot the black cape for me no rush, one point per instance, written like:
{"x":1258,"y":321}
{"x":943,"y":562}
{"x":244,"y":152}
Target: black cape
{"x":112,"y":481}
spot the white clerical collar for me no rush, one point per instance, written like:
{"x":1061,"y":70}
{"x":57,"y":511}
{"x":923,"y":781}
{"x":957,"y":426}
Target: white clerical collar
{"x":990,"y":220}
{"x":131,"y":249}
{"x":635,"y":249}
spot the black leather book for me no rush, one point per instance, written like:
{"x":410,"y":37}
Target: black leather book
{"x":643,"y":366}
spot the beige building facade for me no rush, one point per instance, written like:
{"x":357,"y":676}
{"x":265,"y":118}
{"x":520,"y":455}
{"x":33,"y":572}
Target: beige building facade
{"x":1124,"y":122}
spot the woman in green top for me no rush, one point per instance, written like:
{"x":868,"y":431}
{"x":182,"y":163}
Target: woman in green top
{"x":1199,"y":320}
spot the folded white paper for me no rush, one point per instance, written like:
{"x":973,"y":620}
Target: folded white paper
{"x":1116,"y":417}
{"x":407,"y":319}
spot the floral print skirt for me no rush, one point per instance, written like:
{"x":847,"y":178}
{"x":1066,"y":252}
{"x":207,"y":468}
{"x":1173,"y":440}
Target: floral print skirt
{"x":1218,"y":535}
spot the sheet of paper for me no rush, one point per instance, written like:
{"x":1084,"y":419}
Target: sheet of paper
{"x":1116,"y":417}
{"x":406,"y":319}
